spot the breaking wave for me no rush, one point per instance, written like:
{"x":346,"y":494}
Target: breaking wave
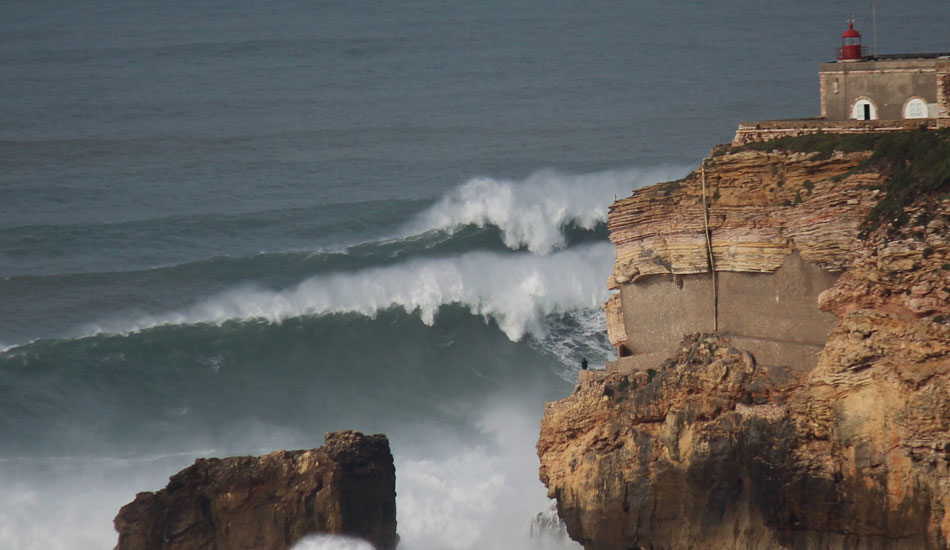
{"x":514,"y":290}
{"x":534,"y":212}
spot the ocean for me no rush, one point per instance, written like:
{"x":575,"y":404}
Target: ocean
{"x":227,"y":227}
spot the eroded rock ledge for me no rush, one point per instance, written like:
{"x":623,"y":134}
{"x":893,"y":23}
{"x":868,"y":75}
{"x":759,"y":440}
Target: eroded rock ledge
{"x":713,"y":449}
{"x":346,"y":487}
{"x":763,"y":206}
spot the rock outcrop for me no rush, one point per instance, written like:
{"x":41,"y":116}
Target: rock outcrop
{"x":270,"y":502}
{"x":795,"y":215}
{"x":714,"y":449}
{"x":763,"y":206}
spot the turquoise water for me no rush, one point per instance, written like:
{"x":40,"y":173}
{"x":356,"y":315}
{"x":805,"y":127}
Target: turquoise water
{"x":228,"y":227}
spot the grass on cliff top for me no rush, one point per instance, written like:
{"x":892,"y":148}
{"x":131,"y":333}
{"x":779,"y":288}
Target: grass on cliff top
{"x":916,"y":165}
{"x":823,"y":144}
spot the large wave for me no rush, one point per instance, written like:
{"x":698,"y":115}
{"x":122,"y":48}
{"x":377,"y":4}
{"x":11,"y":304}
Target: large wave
{"x":533,"y":213}
{"x":514,"y":290}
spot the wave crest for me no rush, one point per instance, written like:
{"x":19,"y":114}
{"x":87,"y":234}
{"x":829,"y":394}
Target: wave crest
{"x":515,"y":290}
{"x":533,"y":213}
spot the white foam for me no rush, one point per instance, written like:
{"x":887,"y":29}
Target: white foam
{"x":473,"y":497}
{"x":74,"y":514}
{"x":481,"y":495}
{"x":5,"y":348}
{"x":532,"y":213}
{"x":515,"y":290}
{"x":331,"y":542}
{"x":573,"y":336}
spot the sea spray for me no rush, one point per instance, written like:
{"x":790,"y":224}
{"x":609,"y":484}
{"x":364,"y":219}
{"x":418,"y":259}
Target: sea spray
{"x":515,"y":290}
{"x":476,"y":494}
{"x":533,"y":213}
{"x":545,"y":212}
{"x":572,"y":336}
{"x":331,"y":542}
{"x":481,"y":495}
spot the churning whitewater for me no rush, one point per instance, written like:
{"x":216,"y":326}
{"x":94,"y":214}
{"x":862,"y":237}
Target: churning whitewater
{"x":534,"y":213}
{"x":516,"y":291}
{"x":230,"y":227}
{"x":434,"y":333}
{"x":447,"y":254}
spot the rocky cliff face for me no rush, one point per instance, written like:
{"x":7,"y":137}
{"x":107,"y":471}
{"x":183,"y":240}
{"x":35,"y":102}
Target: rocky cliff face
{"x":763,"y":206}
{"x":711,"y":449}
{"x":270,"y":502}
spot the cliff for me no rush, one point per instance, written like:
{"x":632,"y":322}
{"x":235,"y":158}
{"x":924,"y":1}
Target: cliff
{"x":741,"y":437}
{"x":270,"y":502}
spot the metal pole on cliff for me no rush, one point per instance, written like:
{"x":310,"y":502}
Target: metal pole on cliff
{"x":709,"y":252}
{"x":874,"y":24}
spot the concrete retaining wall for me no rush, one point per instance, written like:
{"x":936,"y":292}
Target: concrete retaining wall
{"x":775,"y":316}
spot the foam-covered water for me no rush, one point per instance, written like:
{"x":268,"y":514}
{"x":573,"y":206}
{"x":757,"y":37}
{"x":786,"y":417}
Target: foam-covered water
{"x":331,"y":542}
{"x":515,"y":291}
{"x":231,"y":228}
{"x":455,"y":331}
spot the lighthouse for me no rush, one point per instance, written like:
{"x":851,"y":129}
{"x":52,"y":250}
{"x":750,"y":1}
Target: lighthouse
{"x":851,"y":48}
{"x":865,"y":93}
{"x":858,"y":86}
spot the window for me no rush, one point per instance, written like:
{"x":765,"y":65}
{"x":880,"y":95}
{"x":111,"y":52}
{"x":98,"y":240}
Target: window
{"x":915,"y":108}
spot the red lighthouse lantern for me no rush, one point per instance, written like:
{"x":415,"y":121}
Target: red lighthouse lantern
{"x":851,"y":48}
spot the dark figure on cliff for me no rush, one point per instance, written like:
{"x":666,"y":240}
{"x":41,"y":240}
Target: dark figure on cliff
{"x":584,"y":363}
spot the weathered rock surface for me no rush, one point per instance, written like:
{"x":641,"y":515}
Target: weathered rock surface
{"x":762,"y":208}
{"x":270,"y":502}
{"x":712,"y":450}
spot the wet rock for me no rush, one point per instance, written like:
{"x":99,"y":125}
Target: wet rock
{"x":270,"y":502}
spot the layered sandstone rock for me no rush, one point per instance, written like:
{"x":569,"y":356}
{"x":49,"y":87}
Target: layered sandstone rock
{"x":794,"y":215}
{"x":270,"y":502}
{"x":762,"y":208}
{"x":713,"y":449}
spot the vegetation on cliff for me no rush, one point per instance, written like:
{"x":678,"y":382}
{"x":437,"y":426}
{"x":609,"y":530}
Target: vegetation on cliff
{"x":720,"y":450}
{"x":917,"y":166}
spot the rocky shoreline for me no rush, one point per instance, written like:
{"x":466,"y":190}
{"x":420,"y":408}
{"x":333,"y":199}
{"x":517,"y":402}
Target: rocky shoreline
{"x":346,"y":487}
{"x":732,"y":438}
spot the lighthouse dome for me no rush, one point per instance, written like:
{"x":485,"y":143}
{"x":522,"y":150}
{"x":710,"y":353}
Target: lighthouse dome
{"x":851,"y":32}
{"x":851,"y":49}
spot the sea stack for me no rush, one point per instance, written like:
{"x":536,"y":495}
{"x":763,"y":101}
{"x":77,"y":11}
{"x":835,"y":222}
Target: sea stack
{"x":346,"y":487}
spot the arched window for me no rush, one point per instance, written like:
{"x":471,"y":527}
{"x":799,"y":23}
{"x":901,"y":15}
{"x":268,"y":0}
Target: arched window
{"x":915,"y":107}
{"x":863,"y":109}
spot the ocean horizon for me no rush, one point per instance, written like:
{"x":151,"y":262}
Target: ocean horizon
{"x":229,"y":227}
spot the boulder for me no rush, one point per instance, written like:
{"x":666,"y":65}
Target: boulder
{"x":269,"y":502}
